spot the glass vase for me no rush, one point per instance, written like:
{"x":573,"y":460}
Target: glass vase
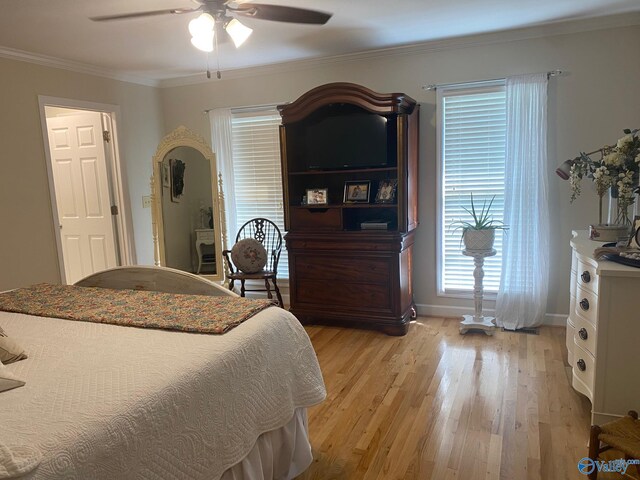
{"x":618,"y":209}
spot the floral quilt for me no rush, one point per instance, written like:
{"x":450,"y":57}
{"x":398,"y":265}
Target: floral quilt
{"x":133,"y":308}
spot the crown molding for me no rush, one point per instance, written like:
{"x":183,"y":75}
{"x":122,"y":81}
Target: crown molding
{"x":77,"y":67}
{"x":491,"y":38}
{"x":496,"y":37}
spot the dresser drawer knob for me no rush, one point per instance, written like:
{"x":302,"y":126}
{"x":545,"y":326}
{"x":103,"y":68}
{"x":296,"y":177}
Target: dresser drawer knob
{"x":583,"y":333}
{"x":584,"y":304}
{"x":586,"y":276}
{"x":581,"y":365}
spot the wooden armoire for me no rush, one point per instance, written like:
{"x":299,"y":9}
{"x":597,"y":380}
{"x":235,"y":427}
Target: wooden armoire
{"x":350,"y":262}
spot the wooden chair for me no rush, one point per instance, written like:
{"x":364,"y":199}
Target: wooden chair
{"x":622,"y":435}
{"x":267,"y":233}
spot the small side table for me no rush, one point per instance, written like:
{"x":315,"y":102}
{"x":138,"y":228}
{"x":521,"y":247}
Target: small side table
{"x":204,"y":236}
{"x":478,"y":321}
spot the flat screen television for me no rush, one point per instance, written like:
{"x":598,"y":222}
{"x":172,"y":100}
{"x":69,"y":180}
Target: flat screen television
{"x":349,"y":140}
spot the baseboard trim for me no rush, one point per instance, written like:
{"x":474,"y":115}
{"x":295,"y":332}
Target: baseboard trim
{"x":550,"y":319}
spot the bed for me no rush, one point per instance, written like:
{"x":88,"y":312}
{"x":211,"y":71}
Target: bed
{"x":104,"y":401}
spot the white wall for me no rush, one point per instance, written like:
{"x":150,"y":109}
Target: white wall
{"x":587,"y":109}
{"x":27,"y":243}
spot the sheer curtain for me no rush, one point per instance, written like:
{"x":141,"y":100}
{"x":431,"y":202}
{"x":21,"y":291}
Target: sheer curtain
{"x":522,"y":296}
{"x":220,"y":120}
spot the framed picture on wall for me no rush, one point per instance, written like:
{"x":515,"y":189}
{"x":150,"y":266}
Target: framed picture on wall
{"x":166,"y":175}
{"x":177,"y":168}
{"x":356,"y":191}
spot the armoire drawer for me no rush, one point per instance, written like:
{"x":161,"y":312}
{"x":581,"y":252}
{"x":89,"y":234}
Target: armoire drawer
{"x":371,"y":270}
{"x":309,"y":292}
{"x":315,"y":219}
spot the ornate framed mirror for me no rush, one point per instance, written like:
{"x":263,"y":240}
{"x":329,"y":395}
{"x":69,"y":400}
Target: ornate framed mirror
{"x":187,"y":206}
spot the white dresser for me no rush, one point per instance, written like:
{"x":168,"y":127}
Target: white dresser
{"x":204,"y":236}
{"x":603,"y":331}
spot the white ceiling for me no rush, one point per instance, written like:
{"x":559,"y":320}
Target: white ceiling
{"x":156,"y":48}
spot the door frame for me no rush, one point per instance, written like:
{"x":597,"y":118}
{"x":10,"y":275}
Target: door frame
{"x":125,"y":250}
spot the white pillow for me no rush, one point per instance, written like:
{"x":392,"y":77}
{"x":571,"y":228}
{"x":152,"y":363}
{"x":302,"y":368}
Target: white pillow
{"x":8,"y":380}
{"x":249,"y":255}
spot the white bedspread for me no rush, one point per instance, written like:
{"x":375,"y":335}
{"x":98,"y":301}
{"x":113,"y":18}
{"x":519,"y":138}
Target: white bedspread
{"x":110,"y":402}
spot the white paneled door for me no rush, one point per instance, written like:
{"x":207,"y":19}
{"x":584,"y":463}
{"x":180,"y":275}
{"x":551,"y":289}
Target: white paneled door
{"x":82,"y":194}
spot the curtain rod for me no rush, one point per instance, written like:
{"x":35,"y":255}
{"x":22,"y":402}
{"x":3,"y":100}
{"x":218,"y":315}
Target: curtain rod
{"x":435,"y":86}
{"x":247,"y":108}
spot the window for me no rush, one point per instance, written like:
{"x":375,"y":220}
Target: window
{"x":257,"y":173}
{"x":471,"y":154}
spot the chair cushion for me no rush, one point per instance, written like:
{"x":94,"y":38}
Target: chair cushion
{"x":249,"y":255}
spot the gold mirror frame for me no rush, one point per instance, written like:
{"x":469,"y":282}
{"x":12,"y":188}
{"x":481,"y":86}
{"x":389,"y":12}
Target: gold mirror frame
{"x":183,"y":137}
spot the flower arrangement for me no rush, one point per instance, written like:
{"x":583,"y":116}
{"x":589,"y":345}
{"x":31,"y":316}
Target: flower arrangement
{"x":617,"y":170}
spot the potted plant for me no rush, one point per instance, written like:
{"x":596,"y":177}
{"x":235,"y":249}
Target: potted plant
{"x":480,"y":232}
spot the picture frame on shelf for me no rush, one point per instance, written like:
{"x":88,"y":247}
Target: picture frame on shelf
{"x":357,"y":191}
{"x":387,"y":190}
{"x":317,"y":196}
{"x":634,"y":242}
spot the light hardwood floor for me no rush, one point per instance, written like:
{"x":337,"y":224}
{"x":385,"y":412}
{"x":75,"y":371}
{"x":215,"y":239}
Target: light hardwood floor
{"x":438,"y":405}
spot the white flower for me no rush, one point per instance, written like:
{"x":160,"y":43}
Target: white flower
{"x":601,"y":171}
{"x":624,"y":140}
{"x":614,"y":159}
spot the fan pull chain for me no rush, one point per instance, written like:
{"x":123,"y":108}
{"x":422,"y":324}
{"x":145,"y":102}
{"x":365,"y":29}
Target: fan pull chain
{"x":217,"y":58}
{"x":208,"y":71}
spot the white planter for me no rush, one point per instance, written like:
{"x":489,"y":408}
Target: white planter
{"x":479,"y":239}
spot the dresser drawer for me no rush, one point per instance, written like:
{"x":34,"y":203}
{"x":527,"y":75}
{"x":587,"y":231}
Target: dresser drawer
{"x":587,"y":305}
{"x":205,"y":236}
{"x":585,"y":335}
{"x":587,"y":277}
{"x":584,"y":367}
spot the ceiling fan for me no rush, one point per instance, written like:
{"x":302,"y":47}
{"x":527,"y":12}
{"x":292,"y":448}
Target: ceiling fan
{"x":223,"y":13}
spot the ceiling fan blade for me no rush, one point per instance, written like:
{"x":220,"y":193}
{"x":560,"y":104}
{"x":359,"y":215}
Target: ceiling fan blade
{"x":125,"y":16}
{"x":279,"y":13}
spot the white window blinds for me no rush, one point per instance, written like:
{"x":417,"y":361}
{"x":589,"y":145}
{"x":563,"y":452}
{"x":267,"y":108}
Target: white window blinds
{"x":256,"y":171}
{"x":472,"y":134}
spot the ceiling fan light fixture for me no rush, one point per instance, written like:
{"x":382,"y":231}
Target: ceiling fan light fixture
{"x":201,"y":29}
{"x":237,"y":31}
{"x":201,"y":25}
{"x":203,"y":42}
